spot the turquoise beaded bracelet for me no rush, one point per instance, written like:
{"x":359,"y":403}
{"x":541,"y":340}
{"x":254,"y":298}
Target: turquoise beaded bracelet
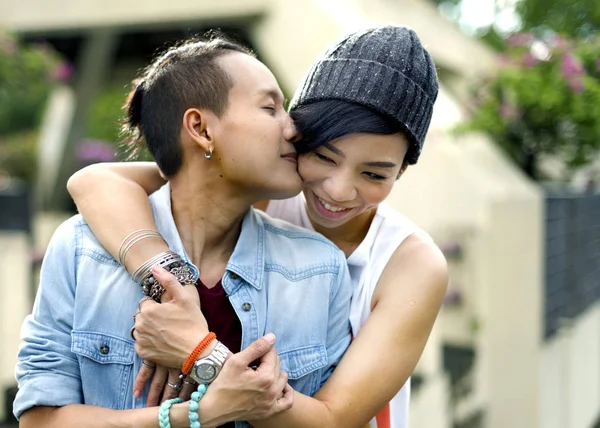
{"x":163,"y":412}
{"x":193,"y":412}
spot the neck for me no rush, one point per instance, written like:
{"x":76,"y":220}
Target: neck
{"x":208,"y":215}
{"x":349,"y":235}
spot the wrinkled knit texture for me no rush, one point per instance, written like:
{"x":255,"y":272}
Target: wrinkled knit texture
{"x":384,"y":68}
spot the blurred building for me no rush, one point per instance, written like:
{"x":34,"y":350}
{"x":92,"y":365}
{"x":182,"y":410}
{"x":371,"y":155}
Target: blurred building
{"x":518,"y":341}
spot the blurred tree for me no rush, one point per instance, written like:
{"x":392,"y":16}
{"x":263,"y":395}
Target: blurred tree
{"x":569,"y":18}
{"x":27,"y":75}
{"x":545,"y":100}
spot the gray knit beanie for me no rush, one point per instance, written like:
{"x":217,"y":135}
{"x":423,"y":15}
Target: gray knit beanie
{"x":384,"y":68}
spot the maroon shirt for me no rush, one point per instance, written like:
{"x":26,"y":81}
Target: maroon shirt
{"x":221,"y":319}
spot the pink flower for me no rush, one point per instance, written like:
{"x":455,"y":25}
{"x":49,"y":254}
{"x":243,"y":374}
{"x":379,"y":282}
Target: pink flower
{"x":570,"y":66}
{"x":520,"y":39}
{"x":62,"y":73}
{"x":528,"y":60}
{"x":557,"y":42}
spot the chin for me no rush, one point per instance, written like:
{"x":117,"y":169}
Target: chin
{"x":289,"y":190}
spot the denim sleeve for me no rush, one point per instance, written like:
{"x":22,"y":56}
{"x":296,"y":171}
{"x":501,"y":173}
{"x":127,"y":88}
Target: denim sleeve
{"x":47,"y":371}
{"x":338,"y":324}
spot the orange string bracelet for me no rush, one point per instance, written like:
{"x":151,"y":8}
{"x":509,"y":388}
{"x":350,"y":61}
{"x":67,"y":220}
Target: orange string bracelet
{"x":189,"y":363}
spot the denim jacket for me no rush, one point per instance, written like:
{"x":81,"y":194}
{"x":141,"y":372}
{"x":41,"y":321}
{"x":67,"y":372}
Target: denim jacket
{"x":76,"y":347}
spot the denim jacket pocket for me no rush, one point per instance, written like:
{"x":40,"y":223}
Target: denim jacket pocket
{"x":106,"y":361}
{"x":303,"y":367}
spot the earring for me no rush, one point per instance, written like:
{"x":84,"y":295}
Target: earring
{"x":209,"y":154}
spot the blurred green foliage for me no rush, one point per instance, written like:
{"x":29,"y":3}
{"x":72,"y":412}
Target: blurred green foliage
{"x":572,"y":19}
{"x":27,"y":75}
{"x":106,"y":120}
{"x":545,"y":100}
{"x":569,"y":18}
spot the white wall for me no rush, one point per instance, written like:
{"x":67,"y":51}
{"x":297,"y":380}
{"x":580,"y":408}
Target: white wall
{"x":570,"y":374}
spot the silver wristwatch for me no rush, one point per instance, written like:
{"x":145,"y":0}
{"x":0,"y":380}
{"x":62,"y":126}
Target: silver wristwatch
{"x":207,"y":369}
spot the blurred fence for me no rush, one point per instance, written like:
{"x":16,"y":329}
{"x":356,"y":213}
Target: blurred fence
{"x":572,"y":257}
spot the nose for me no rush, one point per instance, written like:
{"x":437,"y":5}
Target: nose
{"x":289,"y":130}
{"x":339,"y":188}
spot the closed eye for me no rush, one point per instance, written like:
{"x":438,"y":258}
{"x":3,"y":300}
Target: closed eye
{"x":324,"y":158}
{"x":373,"y":176}
{"x":270,"y":109}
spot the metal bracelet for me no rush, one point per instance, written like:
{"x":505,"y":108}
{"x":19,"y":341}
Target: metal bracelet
{"x":160,"y":259}
{"x":133,"y":238}
{"x":171,"y":262}
{"x":182,"y":272}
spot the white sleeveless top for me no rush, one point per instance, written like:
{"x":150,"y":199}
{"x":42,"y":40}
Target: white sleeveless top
{"x":366,"y":264}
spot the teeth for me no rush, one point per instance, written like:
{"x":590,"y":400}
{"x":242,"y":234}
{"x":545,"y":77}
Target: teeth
{"x":329,"y":207}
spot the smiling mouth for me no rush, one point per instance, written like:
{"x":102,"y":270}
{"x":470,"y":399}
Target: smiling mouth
{"x":332,"y":209}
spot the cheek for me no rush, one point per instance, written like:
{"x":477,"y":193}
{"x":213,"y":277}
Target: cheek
{"x":307,"y":169}
{"x":373,"y":195}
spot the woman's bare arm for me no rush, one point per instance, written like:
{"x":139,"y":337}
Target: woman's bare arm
{"x":84,"y":416}
{"x":385,"y":352}
{"x":113,"y":199}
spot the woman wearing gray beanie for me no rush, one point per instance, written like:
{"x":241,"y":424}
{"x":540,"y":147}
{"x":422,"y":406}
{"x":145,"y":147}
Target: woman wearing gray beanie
{"x":363,"y":111}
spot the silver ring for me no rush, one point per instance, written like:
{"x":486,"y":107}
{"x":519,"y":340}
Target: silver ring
{"x":189,"y":382}
{"x":176,"y":386}
{"x":149,"y":366}
{"x":131,"y":333}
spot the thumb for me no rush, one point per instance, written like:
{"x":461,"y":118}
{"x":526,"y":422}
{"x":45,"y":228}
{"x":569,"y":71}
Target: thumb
{"x":172,"y":287}
{"x":257,"y":349}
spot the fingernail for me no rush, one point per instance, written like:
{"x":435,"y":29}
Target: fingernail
{"x":157,"y":270}
{"x":270,"y":337}
{"x":136,"y":393}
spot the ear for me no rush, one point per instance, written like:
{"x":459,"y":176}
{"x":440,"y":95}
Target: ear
{"x":402,"y":170}
{"x":196,"y":125}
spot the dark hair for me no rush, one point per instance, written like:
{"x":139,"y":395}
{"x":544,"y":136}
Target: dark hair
{"x":323,"y":121}
{"x":186,"y":75}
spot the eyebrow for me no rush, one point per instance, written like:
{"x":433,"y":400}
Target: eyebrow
{"x":335,"y":150}
{"x":378,"y":164}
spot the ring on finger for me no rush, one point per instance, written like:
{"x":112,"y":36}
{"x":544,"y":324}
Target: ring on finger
{"x":176,"y":386}
{"x":135,"y":315}
{"x":131,"y":333}
{"x":189,"y":382}
{"x":148,"y":366}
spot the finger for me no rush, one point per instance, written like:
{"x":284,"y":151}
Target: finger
{"x":186,"y":391}
{"x":142,"y":378}
{"x":285,"y":402}
{"x":141,"y":302}
{"x":269,"y":363}
{"x":256,"y":350}
{"x":157,"y":385}
{"x":172,"y":387}
{"x":172,"y":287}
{"x":281,"y":382}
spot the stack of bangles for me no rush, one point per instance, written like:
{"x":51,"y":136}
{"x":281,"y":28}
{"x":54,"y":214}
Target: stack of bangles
{"x":168,"y":260}
{"x":216,"y":359}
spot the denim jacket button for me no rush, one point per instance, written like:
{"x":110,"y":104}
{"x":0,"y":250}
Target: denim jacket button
{"x":246,"y":306}
{"x":104,"y":349}
{"x":234,"y":275}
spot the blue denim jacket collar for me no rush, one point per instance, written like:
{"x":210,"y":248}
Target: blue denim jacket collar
{"x":241,"y":263}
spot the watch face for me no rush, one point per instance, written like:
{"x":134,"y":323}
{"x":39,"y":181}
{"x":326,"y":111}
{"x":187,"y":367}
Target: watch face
{"x":205,"y":372}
